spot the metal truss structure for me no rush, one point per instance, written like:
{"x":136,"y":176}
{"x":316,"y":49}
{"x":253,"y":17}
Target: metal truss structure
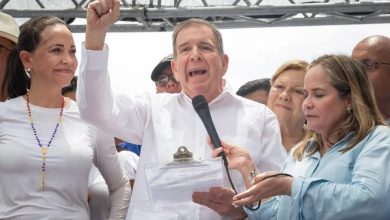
{"x":162,"y":15}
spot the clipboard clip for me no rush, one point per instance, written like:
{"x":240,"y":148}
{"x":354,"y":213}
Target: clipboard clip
{"x":183,"y":156}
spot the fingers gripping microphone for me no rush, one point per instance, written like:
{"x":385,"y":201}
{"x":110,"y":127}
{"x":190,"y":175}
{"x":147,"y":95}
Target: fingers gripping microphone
{"x":202,"y":108}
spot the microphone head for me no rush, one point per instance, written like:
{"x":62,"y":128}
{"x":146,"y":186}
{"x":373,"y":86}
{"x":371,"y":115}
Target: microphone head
{"x":199,"y":102}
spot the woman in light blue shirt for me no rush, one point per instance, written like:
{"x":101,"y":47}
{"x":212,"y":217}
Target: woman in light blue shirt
{"x":341,"y":167}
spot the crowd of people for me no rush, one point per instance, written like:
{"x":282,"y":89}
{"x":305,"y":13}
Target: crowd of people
{"x":311,"y":142}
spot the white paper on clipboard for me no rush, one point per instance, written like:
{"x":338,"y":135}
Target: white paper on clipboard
{"x":174,"y":183}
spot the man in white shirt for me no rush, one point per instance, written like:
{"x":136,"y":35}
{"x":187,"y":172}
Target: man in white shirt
{"x":163,"y":122}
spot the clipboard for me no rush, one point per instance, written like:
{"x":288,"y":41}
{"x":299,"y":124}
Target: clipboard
{"x":174,"y":182}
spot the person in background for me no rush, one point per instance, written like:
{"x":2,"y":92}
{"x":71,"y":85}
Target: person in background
{"x":129,"y":160}
{"x":256,"y":90}
{"x":374,"y":53}
{"x":70,"y":90}
{"x":9,"y":32}
{"x":46,"y":150}
{"x":339,"y":170}
{"x":285,"y":100}
{"x":164,"y":78}
{"x":164,"y":122}
{"x":135,"y":148}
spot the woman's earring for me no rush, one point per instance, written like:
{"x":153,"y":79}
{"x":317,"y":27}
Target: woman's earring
{"x":28,"y":72}
{"x":349,"y":110}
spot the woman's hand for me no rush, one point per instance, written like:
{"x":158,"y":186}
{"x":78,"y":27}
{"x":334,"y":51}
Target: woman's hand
{"x":238,"y":158}
{"x":101,"y":14}
{"x":264,"y":187}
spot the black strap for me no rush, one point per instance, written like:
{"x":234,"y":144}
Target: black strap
{"x":250,"y":207}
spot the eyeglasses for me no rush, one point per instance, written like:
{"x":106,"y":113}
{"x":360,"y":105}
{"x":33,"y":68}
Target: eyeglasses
{"x":163,"y":80}
{"x":371,"y":65}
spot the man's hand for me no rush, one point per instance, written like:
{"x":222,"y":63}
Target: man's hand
{"x":101,"y":14}
{"x":220,"y":200}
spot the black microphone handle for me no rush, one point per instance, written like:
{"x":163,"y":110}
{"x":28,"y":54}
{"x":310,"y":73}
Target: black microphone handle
{"x":210,"y":128}
{"x":202,"y":109}
{"x":212,"y":132}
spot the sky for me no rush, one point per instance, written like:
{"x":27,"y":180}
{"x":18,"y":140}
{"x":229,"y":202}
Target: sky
{"x":253,"y":53}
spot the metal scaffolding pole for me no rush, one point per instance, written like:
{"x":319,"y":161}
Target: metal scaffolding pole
{"x":157,"y":16}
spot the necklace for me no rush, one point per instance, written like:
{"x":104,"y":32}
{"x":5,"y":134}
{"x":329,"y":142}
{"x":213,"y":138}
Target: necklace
{"x":43,"y":147}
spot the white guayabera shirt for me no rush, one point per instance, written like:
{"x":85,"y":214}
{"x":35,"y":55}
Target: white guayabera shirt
{"x":163,"y":122}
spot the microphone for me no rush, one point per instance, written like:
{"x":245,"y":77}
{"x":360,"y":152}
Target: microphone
{"x":202,"y":109}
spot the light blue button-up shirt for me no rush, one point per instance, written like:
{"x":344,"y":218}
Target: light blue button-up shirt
{"x":350,"y":185}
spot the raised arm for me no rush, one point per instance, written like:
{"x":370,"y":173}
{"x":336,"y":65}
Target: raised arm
{"x":101,"y":15}
{"x":119,"y":116}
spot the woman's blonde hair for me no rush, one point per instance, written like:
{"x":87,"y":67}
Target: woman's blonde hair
{"x":350,"y":79}
{"x":290,"y":65}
